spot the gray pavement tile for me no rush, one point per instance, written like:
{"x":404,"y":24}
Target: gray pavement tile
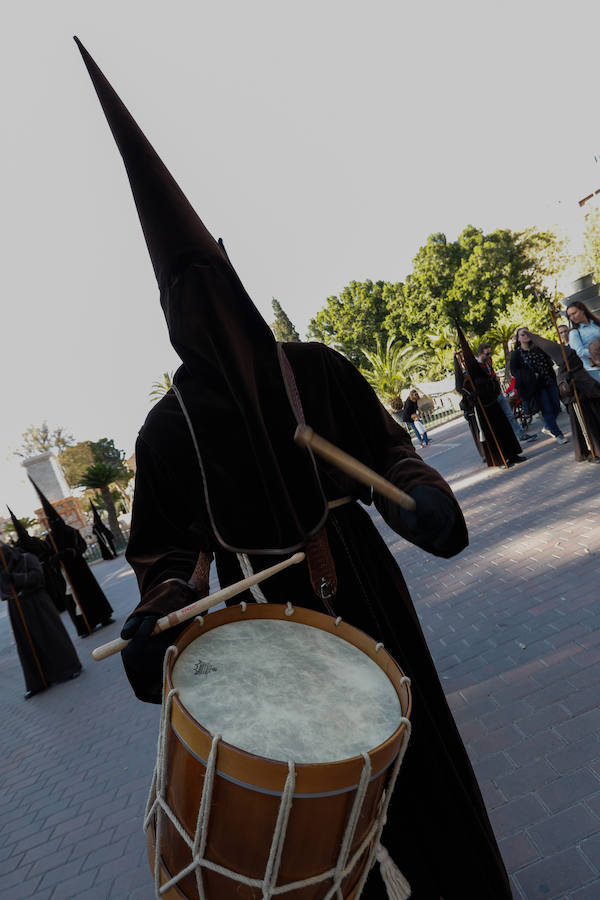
{"x":568,"y":789}
{"x":518,"y":851}
{"x":544,"y":718}
{"x":563,"y":829}
{"x":550,"y":877}
{"x":535,"y":747}
{"x":580,"y":726}
{"x":525,"y":779}
{"x":79,"y":886}
{"x":591,"y":850}
{"x":517,"y":814}
{"x":577,"y":754}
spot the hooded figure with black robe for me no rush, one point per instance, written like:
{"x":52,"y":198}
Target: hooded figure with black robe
{"x":468,"y":404}
{"x":46,"y":652}
{"x":572,"y":374}
{"x":489,"y":426}
{"x":87,"y":606}
{"x":103,"y":535}
{"x":53,"y":577}
{"x":218,"y":474}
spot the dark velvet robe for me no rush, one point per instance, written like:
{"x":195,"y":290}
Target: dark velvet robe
{"x":53,"y":577}
{"x":438,"y":830}
{"x":484,"y":415}
{"x":588,"y":392}
{"x":89,"y":595}
{"x":56,"y":654}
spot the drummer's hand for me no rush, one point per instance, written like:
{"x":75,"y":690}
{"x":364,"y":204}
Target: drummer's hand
{"x":143,"y":657}
{"x":432,"y":523}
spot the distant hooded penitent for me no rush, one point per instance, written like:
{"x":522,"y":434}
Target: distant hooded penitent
{"x":87,"y":605}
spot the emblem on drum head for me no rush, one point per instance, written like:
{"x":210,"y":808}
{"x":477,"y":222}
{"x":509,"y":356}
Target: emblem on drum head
{"x":203,"y":668}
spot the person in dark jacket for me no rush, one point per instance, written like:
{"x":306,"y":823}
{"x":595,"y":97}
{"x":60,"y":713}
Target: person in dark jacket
{"x":580,"y":393}
{"x":45,"y":649}
{"x":411,"y":415}
{"x":535,"y":381}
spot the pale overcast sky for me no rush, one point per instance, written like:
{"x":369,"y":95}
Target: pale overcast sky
{"x":324,"y":141}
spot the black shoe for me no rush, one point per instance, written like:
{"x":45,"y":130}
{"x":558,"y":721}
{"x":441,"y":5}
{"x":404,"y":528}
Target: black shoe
{"x":519,"y":459}
{"x":107,"y":622}
{"x":29,"y":694}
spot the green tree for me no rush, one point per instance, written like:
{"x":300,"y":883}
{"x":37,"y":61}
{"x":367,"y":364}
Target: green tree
{"x":76,"y":460}
{"x":392,"y":368}
{"x":27,"y":522}
{"x":102,"y":477}
{"x":40,"y":438}
{"x":162,"y":386}
{"x":354,"y":320}
{"x":591,"y":244}
{"x":282,"y":326}
{"x":473,"y":279}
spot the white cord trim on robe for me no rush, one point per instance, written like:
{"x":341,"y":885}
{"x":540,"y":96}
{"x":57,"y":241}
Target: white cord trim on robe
{"x":396,"y":885}
{"x":246,"y":565}
{"x":482,"y":436}
{"x":247,"y":570}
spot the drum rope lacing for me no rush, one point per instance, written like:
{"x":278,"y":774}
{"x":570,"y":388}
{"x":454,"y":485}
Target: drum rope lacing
{"x":396,"y":885}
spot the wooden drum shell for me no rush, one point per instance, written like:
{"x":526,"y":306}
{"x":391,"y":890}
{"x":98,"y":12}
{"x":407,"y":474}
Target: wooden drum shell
{"x":247,"y":789}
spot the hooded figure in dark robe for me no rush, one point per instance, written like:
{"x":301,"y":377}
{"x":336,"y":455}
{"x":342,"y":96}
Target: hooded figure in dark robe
{"x":45,"y":649}
{"x":468,"y":404}
{"x":103,"y":535}
{"x":53,"y":577}
{"x":489,"y":426}
{"x":87,"y":605}
{"x":218,"y":474}
{"x":586,"y":414}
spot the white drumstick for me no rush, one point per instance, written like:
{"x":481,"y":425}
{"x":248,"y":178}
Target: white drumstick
{"x":200,"y":606}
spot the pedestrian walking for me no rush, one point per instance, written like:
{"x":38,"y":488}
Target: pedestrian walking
{"x":535,"y":381}
{"x":411,"y":415}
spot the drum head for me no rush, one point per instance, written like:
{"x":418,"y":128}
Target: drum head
{"x":286,"y":691}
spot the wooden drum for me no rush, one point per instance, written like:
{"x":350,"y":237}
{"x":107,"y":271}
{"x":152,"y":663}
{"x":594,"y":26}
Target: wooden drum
{"x":282,"y":732}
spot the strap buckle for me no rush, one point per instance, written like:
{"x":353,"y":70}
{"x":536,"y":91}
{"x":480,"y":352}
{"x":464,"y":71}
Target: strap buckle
{"x":326,"y":589}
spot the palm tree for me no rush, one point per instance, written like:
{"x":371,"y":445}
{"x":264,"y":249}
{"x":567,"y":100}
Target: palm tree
{"x":26,"y":521}
{"x":392,"y":369}
{"x":161,"y":387}
{"x":101,"y":477}
{"x":499,"y":335}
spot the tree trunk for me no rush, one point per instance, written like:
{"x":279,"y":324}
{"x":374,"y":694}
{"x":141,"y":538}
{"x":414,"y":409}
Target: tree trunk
{"x":111,"y":512}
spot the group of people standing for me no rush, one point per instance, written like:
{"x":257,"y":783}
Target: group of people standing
{"x":539,"y":386}
{"x":39,"y":578}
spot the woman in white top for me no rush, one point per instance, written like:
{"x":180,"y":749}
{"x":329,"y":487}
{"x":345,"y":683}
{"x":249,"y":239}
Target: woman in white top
{"x":585,"y":328}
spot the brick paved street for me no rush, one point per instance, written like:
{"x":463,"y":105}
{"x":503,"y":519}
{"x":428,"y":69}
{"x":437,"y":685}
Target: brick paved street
{"x":514,"y":627}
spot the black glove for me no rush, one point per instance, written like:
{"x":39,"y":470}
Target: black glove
{"x":143,"y":657}
{"x":568,"y":375}
{"x":437,"y":524}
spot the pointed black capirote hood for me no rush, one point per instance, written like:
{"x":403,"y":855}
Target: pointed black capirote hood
{"x":473,"y":368}
{"x":22,"y":533}
{"x":98,"y":523}
{"x":235,"y":398}
{"x":171,"y":227}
